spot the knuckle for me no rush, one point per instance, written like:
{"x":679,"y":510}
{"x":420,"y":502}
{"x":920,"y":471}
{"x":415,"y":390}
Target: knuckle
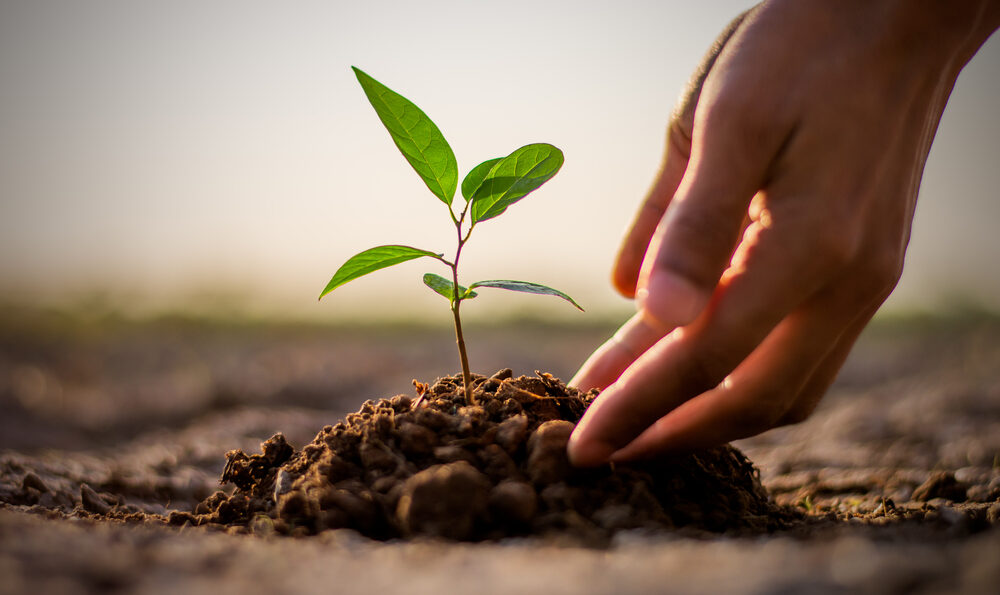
{"x":879,"y":272}
{"x":764,"y":412}
{"x":699,"y":242}
{"x":834,"y":248}
{"x":651,"y":212}
{"x":872,"y":275}
{"x":679,"y":132}
{"x":701,"y":224}
{"x":707,"y":369}
{"x":751,"y":120}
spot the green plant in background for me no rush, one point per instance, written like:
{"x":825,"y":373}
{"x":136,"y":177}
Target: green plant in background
{"x":488,"y":190}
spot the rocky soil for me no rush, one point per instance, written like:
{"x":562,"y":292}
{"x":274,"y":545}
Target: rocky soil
{"x":111,"y":428}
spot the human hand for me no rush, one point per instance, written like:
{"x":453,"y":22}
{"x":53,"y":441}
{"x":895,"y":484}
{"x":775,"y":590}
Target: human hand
{"x":778,"y":223}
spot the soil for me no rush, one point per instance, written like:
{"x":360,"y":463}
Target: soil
{"x":113,"y":434}
{"x":496,"y":467}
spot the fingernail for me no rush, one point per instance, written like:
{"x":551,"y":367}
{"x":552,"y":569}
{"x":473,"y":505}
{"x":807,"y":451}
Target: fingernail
{"x":672,"y":300}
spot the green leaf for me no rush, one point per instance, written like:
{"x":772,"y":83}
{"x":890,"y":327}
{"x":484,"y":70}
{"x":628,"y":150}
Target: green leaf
{"x":525,"y":287}
{"x":416,"y":136}
{"x":372,"y":260}
{"x":513,"y":177}
{"x":446,"y":287}
{"x":474,"y":179}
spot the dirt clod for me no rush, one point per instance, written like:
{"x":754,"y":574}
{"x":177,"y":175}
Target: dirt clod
{"x":443,"y":501}
{"x":32,"y":481}
{"x":941,"y":485}
{"x":547,"y":461}
{"x":440,"y":467}
{"x":92,"y":501}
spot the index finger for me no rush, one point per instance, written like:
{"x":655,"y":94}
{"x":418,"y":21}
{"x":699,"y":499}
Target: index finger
{"x":613,"y":357}
{"x":676,"y":156}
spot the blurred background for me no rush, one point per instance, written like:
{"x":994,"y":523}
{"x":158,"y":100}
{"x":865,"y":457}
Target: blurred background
{"x":220,"y":157}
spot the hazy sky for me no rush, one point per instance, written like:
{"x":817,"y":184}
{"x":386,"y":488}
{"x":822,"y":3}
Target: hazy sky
{"x":173,"y":149}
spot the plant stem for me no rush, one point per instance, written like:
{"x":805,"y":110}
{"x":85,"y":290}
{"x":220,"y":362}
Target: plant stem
{"x":460,"y":339}
{"x":456,"y":305}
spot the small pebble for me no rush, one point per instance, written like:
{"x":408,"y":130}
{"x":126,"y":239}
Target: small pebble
{"x":282,"y":483}
{"x":993,"y":514}
{"x":34,"y":482}
{"x":91,"y":501}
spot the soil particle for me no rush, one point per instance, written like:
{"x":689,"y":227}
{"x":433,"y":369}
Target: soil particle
{"x":547,"y":461}
{"x":444,"y":501}
{"x":511,"y":432}
{"x":33,"y":482}
{"x":513,"y":503}
{"x":440,"y":467}
{"x":941,"y":484}
{"x":993,"y":515}
{"x":92,"y":501}
{"x":245,"y":471}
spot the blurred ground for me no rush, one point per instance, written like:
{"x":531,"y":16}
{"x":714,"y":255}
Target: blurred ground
{"x":102,"y":410}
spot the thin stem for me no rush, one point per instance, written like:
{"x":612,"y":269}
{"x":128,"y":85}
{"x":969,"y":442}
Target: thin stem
{"x":456,"y":304}
{"x":460,"y":339}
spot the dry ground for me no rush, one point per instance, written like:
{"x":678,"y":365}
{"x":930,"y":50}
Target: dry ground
{"x":100,"y":411}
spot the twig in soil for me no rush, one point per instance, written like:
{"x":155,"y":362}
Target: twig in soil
{"x":421,"y":391}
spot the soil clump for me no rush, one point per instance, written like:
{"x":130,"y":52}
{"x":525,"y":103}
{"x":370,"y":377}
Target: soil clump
{"x":439,"y":466}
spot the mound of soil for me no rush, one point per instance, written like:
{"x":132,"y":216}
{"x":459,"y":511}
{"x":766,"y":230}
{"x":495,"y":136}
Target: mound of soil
{"x":440,"y":466}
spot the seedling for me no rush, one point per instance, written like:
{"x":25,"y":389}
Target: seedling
{"x":488,"y":189}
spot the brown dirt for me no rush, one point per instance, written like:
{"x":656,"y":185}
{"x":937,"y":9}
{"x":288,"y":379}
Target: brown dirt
{"x":438,"y":466}
{"x":107,"y":427}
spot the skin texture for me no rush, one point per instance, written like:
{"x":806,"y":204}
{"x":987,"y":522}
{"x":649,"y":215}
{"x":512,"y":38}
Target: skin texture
{"x":779,"y":221}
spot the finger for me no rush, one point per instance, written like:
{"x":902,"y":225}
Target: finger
{"x":678,"y":151}
{"x":736,"y":136}
{"x":767,"y":280}
{"x":782,"y":381}
{"x":826,"y":372}
{"x":633,"y":249}
{"x":760,"y":393}
{"x":731,"y":156}
{"x":613,"y":357}
{"x":637,"y":335}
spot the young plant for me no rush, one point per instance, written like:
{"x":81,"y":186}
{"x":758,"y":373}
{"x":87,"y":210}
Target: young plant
{"x":488,"y":190}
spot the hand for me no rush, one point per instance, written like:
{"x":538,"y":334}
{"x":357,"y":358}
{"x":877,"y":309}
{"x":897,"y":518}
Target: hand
{"x":778,"y":223}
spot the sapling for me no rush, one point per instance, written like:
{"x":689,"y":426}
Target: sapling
{"x":488,"y":189}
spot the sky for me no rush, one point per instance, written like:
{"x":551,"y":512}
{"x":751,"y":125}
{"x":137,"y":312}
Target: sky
{"x":162,"y":153}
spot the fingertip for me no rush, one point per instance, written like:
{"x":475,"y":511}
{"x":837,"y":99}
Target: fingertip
{"x":625,"y":274}
{"x":583,"y":452}
{"x":671,"y":300}
{"x":584,"y":379}
{"x":624,"y":278}
{"x":588,"y":376}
